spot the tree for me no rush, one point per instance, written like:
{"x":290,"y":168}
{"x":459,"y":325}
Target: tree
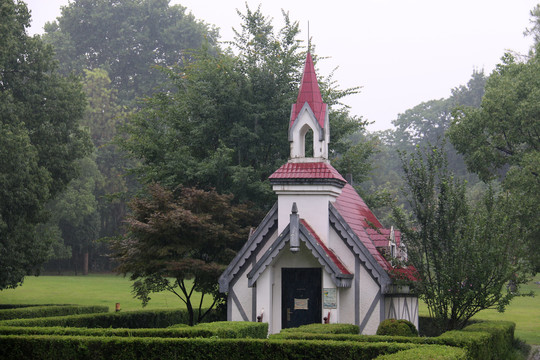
{"x":128,"y":38}
{"x":181,"y":241}
{"x":40,"y":141}
{"x":223,"y":124}
{"x":501,"y":139}
{"x":465,"y":254}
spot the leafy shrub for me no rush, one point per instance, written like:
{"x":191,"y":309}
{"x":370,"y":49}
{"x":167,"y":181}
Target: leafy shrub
{"x":236,"y":329}
{"x":325,"y":329}
{"x":128,"y":319}
{"x":431,"y":352}
{"x":224,"y":330}
{"x":82,"y":347}
{"x":502,"y":336}
{"x":47,"y":311}
{"x":395,"y":327}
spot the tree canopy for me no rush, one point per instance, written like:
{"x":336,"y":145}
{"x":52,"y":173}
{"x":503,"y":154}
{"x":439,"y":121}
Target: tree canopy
{"x":501,"y":139}
{"x":40,"y":141}
{"x":127,"y":38}
{"x":181,"y":241}
{"x":224,"y":123}
{"x":464,"y":253}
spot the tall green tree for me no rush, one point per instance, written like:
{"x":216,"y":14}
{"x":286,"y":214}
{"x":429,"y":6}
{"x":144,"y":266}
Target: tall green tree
{"x":40,"y":141}
{"x":465,"y":255}
{"x":225,"y":124}
{"x":501,"y":139}
{"x":128,"y":38}
{"x":181,"y":241}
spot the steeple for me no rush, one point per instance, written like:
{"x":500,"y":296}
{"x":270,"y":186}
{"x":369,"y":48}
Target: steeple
{"x":310,"y":93}
{"x":309,"y":113}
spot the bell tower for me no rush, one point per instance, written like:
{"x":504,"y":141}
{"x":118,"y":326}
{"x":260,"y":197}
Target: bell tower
{"x":308,"y":182}
{"x":309,"y":114}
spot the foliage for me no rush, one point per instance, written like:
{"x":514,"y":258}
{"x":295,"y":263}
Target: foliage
{"x":223,"y":124}
{"x":40,"y":141}
{"x":324,"y":329}
{"x":50,"y":310}
{"x":427,"y":122}
{"x":501,"y":140}
{"x":431,"y":353}
{"x":395,"y":327}
{"x":221,"y":329}
{"x":181,"y":235}
{"x":84,"y":347}
{"x":130,"y":319}
{"x":128,"y":38}
{"x":448,"y":240}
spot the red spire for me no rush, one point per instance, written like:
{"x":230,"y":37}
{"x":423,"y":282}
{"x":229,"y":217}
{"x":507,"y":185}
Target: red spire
{"x":310,"y":93}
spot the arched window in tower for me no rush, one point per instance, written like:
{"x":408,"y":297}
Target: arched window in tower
{"x":306,"y":138}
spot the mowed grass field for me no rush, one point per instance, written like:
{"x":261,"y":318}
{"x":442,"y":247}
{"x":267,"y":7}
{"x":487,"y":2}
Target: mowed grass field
{"x":111,"y":289}
{"x":523,"y":310}
{"x":102,"y":289}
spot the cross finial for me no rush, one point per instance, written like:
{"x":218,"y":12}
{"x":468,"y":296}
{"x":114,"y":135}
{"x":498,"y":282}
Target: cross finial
{"x":308,"y":39}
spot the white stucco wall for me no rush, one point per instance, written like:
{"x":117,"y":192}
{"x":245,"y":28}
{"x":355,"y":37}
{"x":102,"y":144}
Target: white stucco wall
{"x":306,"y":120}
{"x":401,"y":307}
{"x":369,"y":290}
{"x":312,"y":202}
{"x":245,"y":297}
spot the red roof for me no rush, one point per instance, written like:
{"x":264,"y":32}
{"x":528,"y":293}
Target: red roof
{"x":310,"y":93}
{"x":357,"y":214}
{"x":313,"y":170}
{"x":369,"y":230}
{"x":328,"y":252}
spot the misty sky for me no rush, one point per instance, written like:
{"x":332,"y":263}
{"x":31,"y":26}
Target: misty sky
{"x":402,"y":52}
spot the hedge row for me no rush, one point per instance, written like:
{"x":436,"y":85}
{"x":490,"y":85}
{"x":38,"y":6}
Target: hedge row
{"x":129,"y":319}
{"x":223,"y":330}
{"x":47,"y":311}
{"x":128,"y":348}
{"x":324,"y":329}
{"x":485,"y":340}
{"x":431,"y":352}
{"x":16,"y":306}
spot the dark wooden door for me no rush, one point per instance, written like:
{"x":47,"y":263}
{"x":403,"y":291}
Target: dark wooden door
{"x":300,"y":296}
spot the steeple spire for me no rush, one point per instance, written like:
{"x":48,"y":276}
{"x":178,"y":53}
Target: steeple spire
{"x":310,"y":93}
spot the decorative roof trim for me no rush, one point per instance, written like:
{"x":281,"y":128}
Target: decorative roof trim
{"x":307,"y":181}
{"x":266,"y":228}
{"x":340,"y":278}
{"x":349,"y":236}
{"x":314,"y":119}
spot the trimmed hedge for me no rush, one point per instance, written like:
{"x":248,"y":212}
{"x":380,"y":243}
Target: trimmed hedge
{"x":47,"y":311}
{"x":16,"y":306}
{"x":325,"y":329}
{"x":429,"y":352}
{"x":222,"y":330}
{"x":484,"y":340}
{"x":120,"y":348}
{"x":395,"y":327}
{"x":128,"y":319}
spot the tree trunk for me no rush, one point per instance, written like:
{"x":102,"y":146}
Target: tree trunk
{"x":85,"y":263}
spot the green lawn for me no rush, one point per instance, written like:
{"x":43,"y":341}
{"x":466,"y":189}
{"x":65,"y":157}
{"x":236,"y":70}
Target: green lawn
{"x":88,"y":290}
{"x":524,"y":311}
{"x":110,"y":289}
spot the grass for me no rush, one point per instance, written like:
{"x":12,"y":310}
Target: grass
{"x":523,"y":310}
{"x":111,"y":289}
{"x":95,"y":289}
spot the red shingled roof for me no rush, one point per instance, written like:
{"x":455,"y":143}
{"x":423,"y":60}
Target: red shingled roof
{"x":361,"y":220}
{"x":315,"y":170}
{"x":328,"y":252}
{"x":310,"y":93}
